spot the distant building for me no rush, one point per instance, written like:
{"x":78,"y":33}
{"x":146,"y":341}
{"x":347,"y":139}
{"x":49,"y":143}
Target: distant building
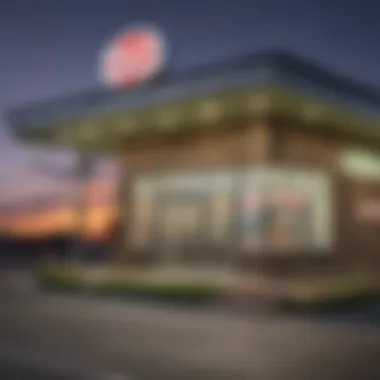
{"x":265,"y":160}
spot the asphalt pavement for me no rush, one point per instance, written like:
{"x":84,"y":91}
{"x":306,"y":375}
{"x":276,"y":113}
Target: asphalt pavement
{"x":14,"y":371}
{"x":76,"y":337}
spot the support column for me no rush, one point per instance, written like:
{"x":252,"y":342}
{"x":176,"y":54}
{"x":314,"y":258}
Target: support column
{"x":259,"y":143}
{"x":124,"y":209}
{"x":81,"y":178}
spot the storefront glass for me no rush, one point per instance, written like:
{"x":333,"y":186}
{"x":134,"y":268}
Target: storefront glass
{"x":286,"y":210}
{"x":259,"y":211}
{"x":178,"y":209}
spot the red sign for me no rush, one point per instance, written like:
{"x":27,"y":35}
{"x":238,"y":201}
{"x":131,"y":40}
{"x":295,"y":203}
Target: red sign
{"x":133,"y":57}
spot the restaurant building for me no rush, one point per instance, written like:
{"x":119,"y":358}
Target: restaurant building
{"x":265,"y":161}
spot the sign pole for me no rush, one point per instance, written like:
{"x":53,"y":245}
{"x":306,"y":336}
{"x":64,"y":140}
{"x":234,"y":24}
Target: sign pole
{"x":82,"y":173}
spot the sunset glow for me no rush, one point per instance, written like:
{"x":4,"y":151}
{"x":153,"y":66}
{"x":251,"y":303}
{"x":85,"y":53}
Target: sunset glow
{"x":63,"y":218}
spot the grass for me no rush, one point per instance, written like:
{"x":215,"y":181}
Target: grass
{"x":59,"y":279}
{"x":64,"y":279}
{"x":324,"y":296}
{"x":346,"y":296}
{"x":162,"y":291}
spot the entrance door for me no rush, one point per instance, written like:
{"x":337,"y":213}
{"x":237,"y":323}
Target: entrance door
{"x":182,"y":227}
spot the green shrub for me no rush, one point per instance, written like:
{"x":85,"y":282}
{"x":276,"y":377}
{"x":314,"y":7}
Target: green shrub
{"x":166,"y":292}
{"x":59,"y":278}
{"x":341,"y":302}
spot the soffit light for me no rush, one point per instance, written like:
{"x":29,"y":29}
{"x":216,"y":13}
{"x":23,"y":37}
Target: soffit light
{"x":259,"y":103}
{"x":168,"y":119}
{"x":210,"y":110}
{"x":313,"y":112}
{"x":125,"y":126}
{"x":87,"y":132}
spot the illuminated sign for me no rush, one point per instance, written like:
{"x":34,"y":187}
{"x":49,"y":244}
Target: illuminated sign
{"x":133,"y":56}
{"x":360,"y":164}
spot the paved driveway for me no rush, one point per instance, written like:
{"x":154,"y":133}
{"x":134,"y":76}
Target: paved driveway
{"x":151,"y":342}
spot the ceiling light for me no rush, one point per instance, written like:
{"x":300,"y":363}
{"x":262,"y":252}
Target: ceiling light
{"x":210,"y":111}
{"x":168,"y":119}
{"x":259,"y":103}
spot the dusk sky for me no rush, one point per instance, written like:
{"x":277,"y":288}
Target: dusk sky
{"x":49,"y":48}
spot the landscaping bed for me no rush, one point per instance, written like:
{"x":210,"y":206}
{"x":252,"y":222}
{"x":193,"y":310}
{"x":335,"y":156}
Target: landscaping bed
{"x":70,"y":280}
{"x":337,"y":295}
{"x":60,"y":279}
{"x":153,"y":291}
{"x":340,"y":296}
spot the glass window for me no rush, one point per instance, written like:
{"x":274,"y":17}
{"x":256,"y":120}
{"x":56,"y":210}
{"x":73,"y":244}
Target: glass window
{"x":286,"y":210}
{"x":178,"y":208}
{"x":278,"y":209}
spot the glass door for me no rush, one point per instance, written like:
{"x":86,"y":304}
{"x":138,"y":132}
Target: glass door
{"x":182,"y":227}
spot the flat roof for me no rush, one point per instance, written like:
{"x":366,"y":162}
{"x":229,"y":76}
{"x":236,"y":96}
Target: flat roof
{"x":269,"y":67}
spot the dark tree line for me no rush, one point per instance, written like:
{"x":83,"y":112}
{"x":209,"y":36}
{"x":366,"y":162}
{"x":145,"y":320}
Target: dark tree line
{"x":60,"y":245}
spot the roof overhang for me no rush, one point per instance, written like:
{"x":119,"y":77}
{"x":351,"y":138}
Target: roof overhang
{"x":110,"y":132}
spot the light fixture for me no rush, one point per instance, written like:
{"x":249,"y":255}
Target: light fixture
{"x":168,"y":119}
{"x":313,"y":112}
{"x":87,"y":132}
{"x":259,"y":103}
{"x":210,"y":110}
{"x":125,"y":126}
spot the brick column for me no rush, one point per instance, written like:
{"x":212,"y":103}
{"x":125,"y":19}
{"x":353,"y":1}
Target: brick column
{"x":258,"y":143}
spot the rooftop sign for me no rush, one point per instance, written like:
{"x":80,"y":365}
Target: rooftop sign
{"x":133,"y":56}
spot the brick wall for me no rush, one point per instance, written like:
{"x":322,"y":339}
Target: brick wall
{"x":357,"y":245}
{"x":357,"y":241}
{"x":236,"y":146}
{"x":202,"y":150}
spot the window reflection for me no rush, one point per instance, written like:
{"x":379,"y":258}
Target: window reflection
{"x":278,"y":210}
